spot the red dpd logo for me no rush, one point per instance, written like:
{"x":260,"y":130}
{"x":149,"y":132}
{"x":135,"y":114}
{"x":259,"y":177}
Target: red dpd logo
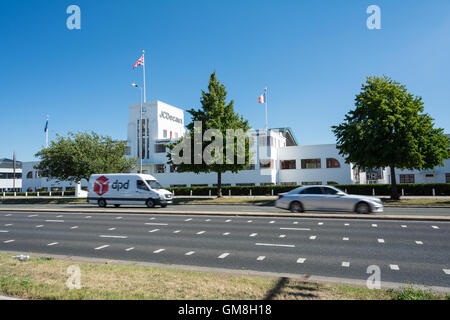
{"x":101,"y":185}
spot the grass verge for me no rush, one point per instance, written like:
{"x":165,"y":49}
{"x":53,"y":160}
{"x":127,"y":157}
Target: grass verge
{"x":418,"y":202}
{"x":45,"y":278}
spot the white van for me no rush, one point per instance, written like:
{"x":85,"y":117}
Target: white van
{"x":127,"y":188}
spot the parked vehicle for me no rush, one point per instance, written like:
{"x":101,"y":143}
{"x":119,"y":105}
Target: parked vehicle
{"x":127,"y":188}
{"x":327,"y":198}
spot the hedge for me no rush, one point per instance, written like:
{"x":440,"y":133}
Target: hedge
{"x":441,"y":189}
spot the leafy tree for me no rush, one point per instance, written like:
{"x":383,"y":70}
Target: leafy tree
{"x":216,"y":114}
{"x":389,"y":129}
{"x":82,"y":154}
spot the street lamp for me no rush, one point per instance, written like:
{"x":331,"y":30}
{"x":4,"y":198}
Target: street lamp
{"x":140,"y":129}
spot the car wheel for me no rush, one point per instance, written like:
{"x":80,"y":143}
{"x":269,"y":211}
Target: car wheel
{"x":163,"y":205}
{"x":150,"y":203}
{"x":296,"y":207}
{"x":362,"y":208}
{"x":102,"y":203}
{"x":117,"y":205}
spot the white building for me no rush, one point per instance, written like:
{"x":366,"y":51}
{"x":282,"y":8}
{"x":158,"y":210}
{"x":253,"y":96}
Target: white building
{"x":33,"y":181}
{"x":10,"y":180}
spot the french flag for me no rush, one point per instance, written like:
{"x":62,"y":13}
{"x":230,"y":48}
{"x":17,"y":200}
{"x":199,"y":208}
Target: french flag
{"x":262,"y":98}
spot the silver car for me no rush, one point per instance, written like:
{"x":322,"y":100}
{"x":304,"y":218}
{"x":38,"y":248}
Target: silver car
{"x":327,"y":198}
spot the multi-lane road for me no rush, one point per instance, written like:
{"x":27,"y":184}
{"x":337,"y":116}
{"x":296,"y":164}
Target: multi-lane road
{"x":405,"y":251}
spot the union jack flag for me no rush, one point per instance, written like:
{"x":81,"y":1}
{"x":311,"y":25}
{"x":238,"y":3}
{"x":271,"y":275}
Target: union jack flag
{"x":139,"y":62}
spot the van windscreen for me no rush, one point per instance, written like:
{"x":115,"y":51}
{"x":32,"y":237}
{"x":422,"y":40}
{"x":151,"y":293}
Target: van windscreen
{"x":154,"y":184}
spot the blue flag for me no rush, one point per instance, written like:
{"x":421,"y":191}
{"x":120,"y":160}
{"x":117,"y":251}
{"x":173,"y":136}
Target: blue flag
{"x":46,"y":126}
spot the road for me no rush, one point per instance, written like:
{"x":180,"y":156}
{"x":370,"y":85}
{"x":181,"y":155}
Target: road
{"x":223,"y":208}
{"x":405,"y":251}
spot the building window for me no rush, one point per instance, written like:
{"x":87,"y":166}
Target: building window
{"x":244,"y":184}
{"x":333,"y":163}
{"x":266,"y":164}
{"x":173,"y":169}
{"x":447,"y":178}
{"x":289,"y":183}
{"x":199,"y":185}
{"x":311,"y":164}
{"x":332,"y":183}
{"x":160,"y":148}
{"x":160,"y":168}
{"x":288,"y":164}
{"x":407,"y":178}
{"x":178,"y":186}
{"x":30,"y":175}
{"x":311,"y":183}
{"x":265,"y":141}
{"x":251,"y":166}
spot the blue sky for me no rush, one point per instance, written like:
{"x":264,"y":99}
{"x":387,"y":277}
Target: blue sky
{"x":313,"y":56}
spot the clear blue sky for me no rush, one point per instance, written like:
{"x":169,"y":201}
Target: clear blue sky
{"x":313,"y":56}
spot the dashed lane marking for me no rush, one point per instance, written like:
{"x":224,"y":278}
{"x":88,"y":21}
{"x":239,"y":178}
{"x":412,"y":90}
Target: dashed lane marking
{"x":188,"y":219}
{"x":223,"y":255}
{"x":156,"y":224}
{"x":419,"y":242}
{"x":229,"y":220}
{"x":32,"y":215}
{"x":296,"y":229}
{"x":102,"y":247}
{"x":201,"y":232}
{"x":190,"y":253}
{"x":282,"y":236}
{"x":320,"y":223}
{"x":345,"y":239}
{"x":446,"y":271}
{"x":39,"y":226}
{"x":8,"y":225}
{"x":260,"y":258}
{"x":381,"y":240}
{"x":374,"y":225}
{"x":88,"y":217}
{"x":74,"y":227}
{"x":226,"y":233}
{"x":111,"y":229}
{"x":301,"y":260}
{"x":159,"y":250}
{"x":275,"y":245}
{"x":4,"y":231}
{"x":346,"y":224}
{"x":154,"y":230}
{"x":129,"y":249}
{"x":111,"y":236}
{"x":394,"y":267}
{"x":404,"y":226}
{"x":58,"y":221}
{"x":253,"y":235}
{"x":312,"y":238}
{"x":8,"y":241}
{"x":177,"y":231}
{"x":346,"y":264}
{"x":52,"y":244}
{"x":272,"y":221}
{"x":118,"y":218}
{"x":435,"y":227}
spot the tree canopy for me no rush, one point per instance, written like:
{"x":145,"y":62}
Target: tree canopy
{"x":79,"y":155}
{"x":211,"y":123}
{"x":389,"y":129}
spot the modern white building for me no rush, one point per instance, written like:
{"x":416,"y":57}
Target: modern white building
{"x":10,"y":179}
{"x":278,"y":158}
{"x":33,"y":181}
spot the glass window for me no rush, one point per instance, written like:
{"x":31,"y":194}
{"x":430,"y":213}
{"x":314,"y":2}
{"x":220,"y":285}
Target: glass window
{"x":140,"y":184}
{"x":407,"y":178}
{"x":288,"y":164}
{"x":266,"y":164}
{"x":313,"y":190}
{"x":160,"y":148}
{"x":329,"y":190}
{"x":447,"y":178}
{"x":333,"y":163}
{"x":30,"y":175}
{"x":154,"y":184}
{"x":160,"y":168}
{"x":311,"y":164}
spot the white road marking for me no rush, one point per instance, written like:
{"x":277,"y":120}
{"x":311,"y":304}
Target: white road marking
{"x":189,"y":253}
{"x":159,"y":250}
{"x":40,"y":226}
{"x":118,"y":218}
{"x":346,"y":224}
{"x":375,"y":225}
{"x":296,"y":229}
{"x":8,"y":241}
{"x":201,"y":232}
{"x":260,"y":258}
{"x":4,"y":231}
{"x":301,"y":260}
{"x":74,"y":227}
{"x":312,"y":238}
{"x":394,"y":267}
{"x":404,"y":226}
{"x":154,"y":230}
{"x":250,"y":221}
{"x":446,"y":271}
{"x":152,"y":218}
{"x":60,"y":216}
{"x":275,"y":245}
{"x":52,"y":244}
{"x":223,"y":255}
{"x":253,"y":235}
{"x":282,"y":236}
{"x":8,"y":215}
{"x":32,"y":215}
{"x":208,"y":220}
{"x":156,"y":224}
{"x":345,"y":239}
{"x":129,"y":249}
{"x":228,"y":220}
{"x":188,"y":219}
{"x":435,"y":227}
{"x":381,"y":240}
{"x":226,"y":233}
{"x":54,"y":220}
{"x":88,"y":217}
{"x":8,"y":224}
{"x":346,"y":264}
{"x":320,"y":223}
{"x":102,"y":247}
{"x":419,"y":242}
{"x":111,"y":229}
{"x":272,"y":221}
{"x":295,"y":222}
{"x":177,"y":231}
{"x":116,"y":237}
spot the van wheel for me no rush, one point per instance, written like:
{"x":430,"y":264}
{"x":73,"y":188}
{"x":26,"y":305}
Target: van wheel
{"x":117,"y":205}
{"x":150,"y":203}
{"x":102,"y":203}
{"x":362,"y":208}
{"x":296,"y":207}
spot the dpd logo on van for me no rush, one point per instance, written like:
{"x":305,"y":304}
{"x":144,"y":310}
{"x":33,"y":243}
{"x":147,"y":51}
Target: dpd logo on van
{"x":101,"y":185}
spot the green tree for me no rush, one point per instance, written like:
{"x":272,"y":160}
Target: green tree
{"x":214,"y":115}
{"x":389,"y":129}
{"x":82,"y":154}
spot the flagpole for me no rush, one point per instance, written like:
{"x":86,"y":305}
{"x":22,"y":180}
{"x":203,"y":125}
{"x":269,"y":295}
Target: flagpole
{"x":265,"y":93}
{"x":143,"y":66}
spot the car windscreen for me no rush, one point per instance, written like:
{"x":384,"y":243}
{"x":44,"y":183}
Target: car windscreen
{"x":154,"y":184}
